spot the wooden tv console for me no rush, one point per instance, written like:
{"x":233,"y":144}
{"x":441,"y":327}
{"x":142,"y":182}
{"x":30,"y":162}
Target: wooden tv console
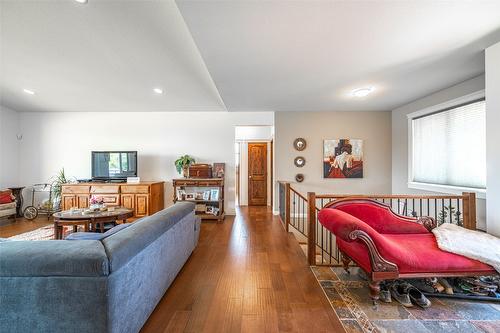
{"x":144,"y":198}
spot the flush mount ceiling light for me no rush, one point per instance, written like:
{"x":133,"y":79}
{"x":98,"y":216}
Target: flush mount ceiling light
{"x":362,"y":92}
{"x":158,"y":90}
{"x":29,"y":92}
{"x":81,"y":1}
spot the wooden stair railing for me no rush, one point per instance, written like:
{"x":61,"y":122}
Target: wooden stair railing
{"x":300,"y":216}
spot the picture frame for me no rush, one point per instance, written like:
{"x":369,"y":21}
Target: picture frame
{"x":206,"y":195}
{"x":343,"y":158}
{"x":214,"y":194}
{"x":181,"y":194}
{"x":190,"y":196}
{"x":219,"y":170}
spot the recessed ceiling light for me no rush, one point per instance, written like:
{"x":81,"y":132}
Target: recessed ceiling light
{"x":81,"y":1}
{"x":362,"y":92}
{"x":28,"y":91}
{"x":158,"y":90}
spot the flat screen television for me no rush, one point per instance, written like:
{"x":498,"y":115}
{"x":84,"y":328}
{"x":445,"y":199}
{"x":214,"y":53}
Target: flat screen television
{"x":114,"y":165}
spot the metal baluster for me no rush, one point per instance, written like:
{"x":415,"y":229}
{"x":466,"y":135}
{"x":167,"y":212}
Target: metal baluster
{"x":442,"y":209}
{"x":331,"y":250}
{"x":435,"y":209}
{"x":451,"y":215}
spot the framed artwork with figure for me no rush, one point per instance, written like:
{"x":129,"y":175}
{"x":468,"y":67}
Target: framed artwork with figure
{"x":343,"y":158}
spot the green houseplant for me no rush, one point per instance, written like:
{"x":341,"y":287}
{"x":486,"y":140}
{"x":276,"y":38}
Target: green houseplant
{"x":182,"y":164}
{"x":57,"y":182}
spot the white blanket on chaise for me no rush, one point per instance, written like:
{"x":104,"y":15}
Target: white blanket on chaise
{"x":471,"y":244}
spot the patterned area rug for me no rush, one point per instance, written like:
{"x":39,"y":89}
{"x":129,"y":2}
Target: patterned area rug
{"x":349,"y":296}
{"x":43,"y":233}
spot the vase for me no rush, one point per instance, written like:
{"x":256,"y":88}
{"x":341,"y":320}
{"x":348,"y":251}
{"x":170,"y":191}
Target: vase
{"x":185,"y":171}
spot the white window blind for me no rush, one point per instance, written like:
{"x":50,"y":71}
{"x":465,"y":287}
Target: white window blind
{"x":449,"y":147}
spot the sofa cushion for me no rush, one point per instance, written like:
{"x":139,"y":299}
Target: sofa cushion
{"x":124,"y":245}
{"x":6,"y":206}
{"x":53,"y":258}
{"x":97,"y":235}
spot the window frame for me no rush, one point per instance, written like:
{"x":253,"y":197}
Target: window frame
{"x":442,"y":107}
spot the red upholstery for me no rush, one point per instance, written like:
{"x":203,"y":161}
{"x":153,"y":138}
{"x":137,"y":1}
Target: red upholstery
{"x":5,"y":197}
{"x":381,"y":218}
{"x":411,"y":252}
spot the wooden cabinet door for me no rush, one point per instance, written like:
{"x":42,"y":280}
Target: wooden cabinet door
{"x":257,"y":174}
{"x":141,"y":205}
{"x":68,"y":201}
{"x":128,"y":201}
{"x":82,"y":201}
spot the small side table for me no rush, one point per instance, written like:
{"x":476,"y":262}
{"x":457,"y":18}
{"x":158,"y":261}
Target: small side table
{"x":17,"y":192}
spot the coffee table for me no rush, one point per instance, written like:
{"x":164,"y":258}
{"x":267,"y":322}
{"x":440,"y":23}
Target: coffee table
{"x":91,"y":221}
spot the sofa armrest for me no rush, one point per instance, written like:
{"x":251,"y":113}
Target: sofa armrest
{"x":378,"y":263}
{"x":53,"y":258}
{"x":350,"y":229}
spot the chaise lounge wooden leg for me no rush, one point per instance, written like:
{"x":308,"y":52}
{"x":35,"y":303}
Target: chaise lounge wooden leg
{"x":345,"y":262}
{"x":375,"y":291}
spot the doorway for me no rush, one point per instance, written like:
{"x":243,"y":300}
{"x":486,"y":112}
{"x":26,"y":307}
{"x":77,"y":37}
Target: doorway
{"x":257,"y":174}
{"x":254,"y":165}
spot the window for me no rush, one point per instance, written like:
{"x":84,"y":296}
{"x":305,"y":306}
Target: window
{"x":448,"y":145}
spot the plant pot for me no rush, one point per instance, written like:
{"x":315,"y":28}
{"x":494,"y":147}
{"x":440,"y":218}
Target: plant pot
{"x":185,"y":171}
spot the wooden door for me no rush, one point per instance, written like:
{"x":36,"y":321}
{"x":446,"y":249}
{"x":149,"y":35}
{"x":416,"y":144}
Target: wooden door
{"x":141,"y":205}
{"x":257,"y":174}
{"x":128,"y":201}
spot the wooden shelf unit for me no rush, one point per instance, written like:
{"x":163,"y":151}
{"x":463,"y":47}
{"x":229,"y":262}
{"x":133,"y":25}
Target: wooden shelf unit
{"x":189,"y":185}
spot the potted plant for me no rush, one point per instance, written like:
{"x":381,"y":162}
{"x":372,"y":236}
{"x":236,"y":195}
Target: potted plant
{"x":182,"y":164}
{"x":57,"y":183}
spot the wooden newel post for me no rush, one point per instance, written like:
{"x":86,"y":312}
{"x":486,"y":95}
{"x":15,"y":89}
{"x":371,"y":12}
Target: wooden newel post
{"x":287,"y":206}
{"x":469,"y":211}
{"x":311,"y":234}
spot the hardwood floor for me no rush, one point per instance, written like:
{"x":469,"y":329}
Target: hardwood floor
{"x":10,"y":228}
{"x":246,"y":275}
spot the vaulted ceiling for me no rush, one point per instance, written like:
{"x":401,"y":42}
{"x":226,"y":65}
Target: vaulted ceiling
{"x":237,"y":55}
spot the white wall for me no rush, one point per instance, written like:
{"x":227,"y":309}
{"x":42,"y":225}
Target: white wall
{"x":493,"y":138}
{"x":55,"y":140}
{"x":9,"y":147}
{"x":373,"y":127}
{"x":400,"y":138}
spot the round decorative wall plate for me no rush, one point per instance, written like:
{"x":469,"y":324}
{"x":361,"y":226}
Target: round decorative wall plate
{"x":300,"y":144}
{"x":299,"y":178}
{"x":299,"y":161}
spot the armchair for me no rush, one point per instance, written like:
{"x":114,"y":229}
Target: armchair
{"x":391,"y":246}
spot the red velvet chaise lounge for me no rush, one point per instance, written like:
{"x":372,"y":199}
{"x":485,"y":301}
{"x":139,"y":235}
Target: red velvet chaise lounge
{"x":391,"y":246}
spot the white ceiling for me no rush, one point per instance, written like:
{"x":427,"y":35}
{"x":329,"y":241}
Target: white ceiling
{"x":309,"y":55}
{"x":102,"y":56}
{"x":261,"y":55}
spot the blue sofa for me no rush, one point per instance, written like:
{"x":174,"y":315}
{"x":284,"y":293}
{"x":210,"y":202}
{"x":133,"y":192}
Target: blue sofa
{"x":108,"y":285}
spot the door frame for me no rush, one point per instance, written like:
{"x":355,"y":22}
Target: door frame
{"x":268,"y":145}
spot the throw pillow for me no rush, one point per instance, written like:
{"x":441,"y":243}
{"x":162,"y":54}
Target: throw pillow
{"x":5,"y":198}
